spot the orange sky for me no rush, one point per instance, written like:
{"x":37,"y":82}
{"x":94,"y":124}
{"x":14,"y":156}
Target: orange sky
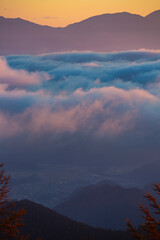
{"x":63,"y":12}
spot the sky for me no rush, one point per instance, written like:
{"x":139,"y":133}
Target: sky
{"x":59,"y":13}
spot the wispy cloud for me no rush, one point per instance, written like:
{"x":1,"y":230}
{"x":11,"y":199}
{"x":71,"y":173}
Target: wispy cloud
{"x":15,"y":77}
{"x":49,"y":18}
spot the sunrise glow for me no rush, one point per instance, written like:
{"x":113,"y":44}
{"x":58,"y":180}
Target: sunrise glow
{"x":61,"y":12}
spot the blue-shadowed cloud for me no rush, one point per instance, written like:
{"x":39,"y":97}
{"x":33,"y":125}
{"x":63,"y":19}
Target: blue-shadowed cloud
{"x":93,"y":108}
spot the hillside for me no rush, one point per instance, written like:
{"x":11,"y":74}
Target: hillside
{"x":43,"y":222}
{"x":103,"y":206}
{"x":107,"y":32}
{"x":145,"y":175}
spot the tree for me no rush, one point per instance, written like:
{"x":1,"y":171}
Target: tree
{"x":10,"y":219}
{"x":151,"y":214}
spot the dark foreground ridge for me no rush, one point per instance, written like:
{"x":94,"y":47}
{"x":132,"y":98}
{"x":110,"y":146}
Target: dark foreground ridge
{"x":40,"y":221}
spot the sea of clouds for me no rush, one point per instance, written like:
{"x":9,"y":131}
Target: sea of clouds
{"x":99,"y":109}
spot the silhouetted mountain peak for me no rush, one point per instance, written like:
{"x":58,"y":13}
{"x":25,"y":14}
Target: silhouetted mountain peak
{"x":16,"y":20}
{"x":109,"y":17}
{"x":155,"y":14}
{"x":95,"y":204}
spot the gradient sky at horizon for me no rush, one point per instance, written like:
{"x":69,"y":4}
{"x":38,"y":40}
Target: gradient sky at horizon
{"x":59,"y":13}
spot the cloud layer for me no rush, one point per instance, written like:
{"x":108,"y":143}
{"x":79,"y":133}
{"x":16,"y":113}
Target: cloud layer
{"x":61,"y":99}
{"x":103,"y":93}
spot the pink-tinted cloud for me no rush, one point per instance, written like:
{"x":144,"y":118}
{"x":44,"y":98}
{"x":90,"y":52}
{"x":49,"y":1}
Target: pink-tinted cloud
{"x":93,"y":64}
{"x":102,"y":111}
{"x":118,"y":124}
{"x":115,"y":94}
{"x":9,"y":126}
{"x":19,"y":77}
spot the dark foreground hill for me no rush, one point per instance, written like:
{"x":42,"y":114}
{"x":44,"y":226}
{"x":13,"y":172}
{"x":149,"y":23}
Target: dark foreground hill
{"x":103,"y":206}
{"x":43,"y":222}
{"x":107,"y":32}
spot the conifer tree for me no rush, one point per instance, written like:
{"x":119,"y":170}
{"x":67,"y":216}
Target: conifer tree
{"x":150,"y":229}
{"x":10,"y":219}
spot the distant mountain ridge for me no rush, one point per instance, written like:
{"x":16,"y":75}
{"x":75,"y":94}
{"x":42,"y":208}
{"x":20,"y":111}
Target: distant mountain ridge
{"x":145,"y":175}
{"x":107,"y":32}
{"x":103,"y":205}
